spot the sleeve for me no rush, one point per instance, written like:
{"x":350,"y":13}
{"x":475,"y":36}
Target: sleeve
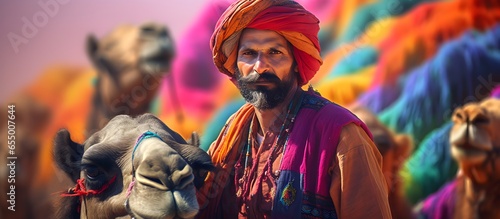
{"x":358,"y":188}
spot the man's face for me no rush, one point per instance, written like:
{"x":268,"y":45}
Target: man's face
{"x":265,"y":68}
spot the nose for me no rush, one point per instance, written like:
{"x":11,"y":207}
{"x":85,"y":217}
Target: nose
{"x":165,"y":170}
{"x":261,"y":64}
{"x":153,"y":30}
{"x":471,"y":115}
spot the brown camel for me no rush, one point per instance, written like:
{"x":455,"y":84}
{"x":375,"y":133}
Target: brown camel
{"x":475,"y":145}
{"x":133,"y":166}
{"x":130,"y":62}
{"x":395,"y":149}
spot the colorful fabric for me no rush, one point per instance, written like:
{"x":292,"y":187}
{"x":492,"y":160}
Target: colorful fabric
{"x":496,"y":92}
{"x":371,"y":13}
{"x":463,"y":70}
{"x":288,"y":18}
{"x":423,"y":32}
{"x":354,"y":61}
{"x":374,"y":34}
{"x":441,"y":204}
{"x":303,"y":188}
{"x":194,"y":88}
{"x":218,"y":121}
{"x":430,"y":166}
{"x":346,"y":89}
{"x":336,"y":22}
{"x":379,"y":98}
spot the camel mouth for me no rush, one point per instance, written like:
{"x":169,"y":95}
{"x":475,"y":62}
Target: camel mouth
{"x":149,"y":202}
{"x":469,"y":153}
{"x":156,"y":58}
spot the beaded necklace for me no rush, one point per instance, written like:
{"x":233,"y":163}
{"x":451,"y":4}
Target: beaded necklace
{"x":281,"y":141}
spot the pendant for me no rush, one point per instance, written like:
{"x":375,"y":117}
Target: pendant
{"x":277,"y":173}
{"x":273,"y":192}
{"x":238,"y":193}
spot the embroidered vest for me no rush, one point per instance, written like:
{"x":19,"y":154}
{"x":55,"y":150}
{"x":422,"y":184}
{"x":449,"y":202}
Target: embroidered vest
{"x":303,"y":186}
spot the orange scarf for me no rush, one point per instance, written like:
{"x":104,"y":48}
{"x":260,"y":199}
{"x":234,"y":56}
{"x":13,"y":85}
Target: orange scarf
{"x":224,"y":157}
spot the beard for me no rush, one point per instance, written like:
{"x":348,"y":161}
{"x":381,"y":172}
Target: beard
{"x":264,"y":97}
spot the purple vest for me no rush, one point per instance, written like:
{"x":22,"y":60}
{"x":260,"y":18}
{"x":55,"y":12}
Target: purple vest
{"x":304,"y":183}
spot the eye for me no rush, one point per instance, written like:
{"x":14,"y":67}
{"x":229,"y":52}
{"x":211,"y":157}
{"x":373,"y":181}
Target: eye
{"x":106,"y":65}
{"x":275,"y":51}
{"x":248,"y":53}
{"x":92,"y":172}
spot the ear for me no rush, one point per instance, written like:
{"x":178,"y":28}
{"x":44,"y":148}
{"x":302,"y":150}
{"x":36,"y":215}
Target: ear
{"x":199,"y":161}
{"x":92,"y":45}
{"x":195,"y":139}
{"x":67,"y":207}
{"x":68,"y":154}
{"x":404,"y":147}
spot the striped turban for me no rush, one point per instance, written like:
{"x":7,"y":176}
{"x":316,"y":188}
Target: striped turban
{"x":289,"y":19}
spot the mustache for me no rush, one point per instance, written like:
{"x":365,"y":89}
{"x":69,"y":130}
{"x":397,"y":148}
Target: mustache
{"x":254,"y":77}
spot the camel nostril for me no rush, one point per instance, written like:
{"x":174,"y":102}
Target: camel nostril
{"x":479,"y":119}
{"x":148,"y":29}
{"x":162,"y":32}
{"x":182,"y":177}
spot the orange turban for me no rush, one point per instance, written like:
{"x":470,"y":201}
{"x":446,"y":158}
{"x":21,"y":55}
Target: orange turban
{"x":286,"y":17}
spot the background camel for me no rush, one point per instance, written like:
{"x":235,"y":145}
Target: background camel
{"x":395,"y":149}
{"x":130,"y":63}
{"x":475,"y":145}
{"x":137,"y":161}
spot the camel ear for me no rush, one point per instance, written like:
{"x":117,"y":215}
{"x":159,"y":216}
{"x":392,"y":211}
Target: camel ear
{"x":92,"y":45}
{"x":404,"y":147}
{"x":198,"y":159}
{"x":195,"y":139}
{"x":68,"y":154}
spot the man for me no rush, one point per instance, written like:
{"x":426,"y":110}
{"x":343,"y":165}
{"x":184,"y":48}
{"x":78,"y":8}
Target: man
{"x":287,"y":153}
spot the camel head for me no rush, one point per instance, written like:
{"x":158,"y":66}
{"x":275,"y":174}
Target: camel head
{"x":133,"y":166}
{"x":394,"y":148}
{"x":130,"y":61}
{"x":475,"y":140}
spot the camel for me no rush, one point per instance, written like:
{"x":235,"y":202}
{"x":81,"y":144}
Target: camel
{"x":130,"y":62}
{"x":395,"y":149}
{"x":475,"y":145}
{"x":128,"y":65}
{"x":134,"y":166}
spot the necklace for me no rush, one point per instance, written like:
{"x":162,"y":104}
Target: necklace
{"x":281,"y":141}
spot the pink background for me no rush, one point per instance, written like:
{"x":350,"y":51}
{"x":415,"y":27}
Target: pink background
{"x":61,"y":38}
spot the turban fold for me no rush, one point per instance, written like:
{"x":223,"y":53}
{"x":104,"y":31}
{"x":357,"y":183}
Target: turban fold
{"x":289,"y":19}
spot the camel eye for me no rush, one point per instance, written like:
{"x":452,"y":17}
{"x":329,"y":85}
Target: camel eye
{"x":92,"y":172}
{"x":458,"y":116}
